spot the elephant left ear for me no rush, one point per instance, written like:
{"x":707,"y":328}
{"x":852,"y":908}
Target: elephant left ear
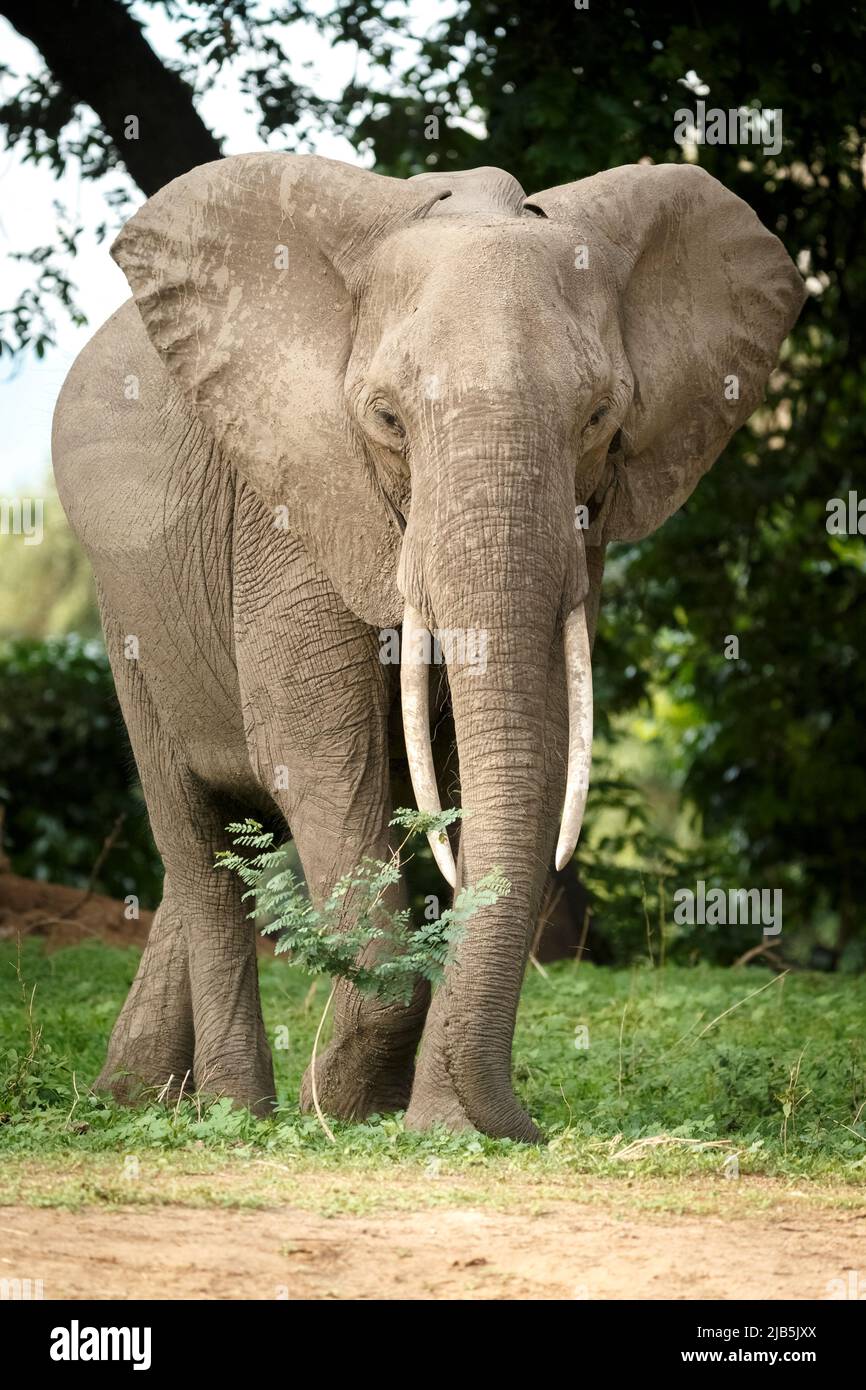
{"x":707,"y":295}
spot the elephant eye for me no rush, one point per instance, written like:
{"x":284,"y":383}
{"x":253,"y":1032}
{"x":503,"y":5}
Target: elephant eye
{"x":389,"y":420}
{"x":597,"y":416}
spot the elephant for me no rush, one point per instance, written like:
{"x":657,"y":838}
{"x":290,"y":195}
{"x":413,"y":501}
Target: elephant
{"x":340,"y":403}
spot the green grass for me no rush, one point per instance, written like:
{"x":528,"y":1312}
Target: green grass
{"x":781,"y":1079}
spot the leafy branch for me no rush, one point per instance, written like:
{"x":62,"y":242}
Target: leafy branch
{"x":353,"y":935}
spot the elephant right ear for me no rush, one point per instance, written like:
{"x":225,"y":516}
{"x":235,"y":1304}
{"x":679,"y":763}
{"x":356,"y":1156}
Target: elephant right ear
{"x":241,"y":271}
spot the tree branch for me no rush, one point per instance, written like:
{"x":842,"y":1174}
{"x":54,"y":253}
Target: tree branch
{"x":99,"y":55}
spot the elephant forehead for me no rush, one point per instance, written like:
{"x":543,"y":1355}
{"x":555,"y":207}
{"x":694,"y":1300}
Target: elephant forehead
{"x":485,"y":304}
{"x":475,"y":191}
{"x":460,"y":260}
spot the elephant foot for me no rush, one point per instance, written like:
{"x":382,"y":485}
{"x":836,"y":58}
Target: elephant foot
{"x":369,"y":1065}
{"x":245,"y":1077}
{"x":430,"y":1109}
{"x":439,"y":1104}
{"x":142,"y":1085}
{"x":435,"y":1097}
{"x":144,"y":1081}
{"x":350,"y":1088}
{"x":142,"y":1065}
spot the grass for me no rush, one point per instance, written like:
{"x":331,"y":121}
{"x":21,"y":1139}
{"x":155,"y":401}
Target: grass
{"x":683,"y":1068}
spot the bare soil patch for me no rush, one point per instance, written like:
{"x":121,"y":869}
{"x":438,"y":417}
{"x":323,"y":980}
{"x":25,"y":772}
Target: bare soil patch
{"x":66,"y":916}
{"x":570,"y":1251}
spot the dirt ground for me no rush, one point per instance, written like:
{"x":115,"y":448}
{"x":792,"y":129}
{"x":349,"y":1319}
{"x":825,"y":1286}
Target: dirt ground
{"x":570,"y":1251}
{"x":62,"y":916}
{"x":65,"y":916}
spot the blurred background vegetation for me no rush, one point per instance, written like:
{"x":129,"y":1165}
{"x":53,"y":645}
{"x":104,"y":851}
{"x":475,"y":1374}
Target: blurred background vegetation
{"x":746,"y":772}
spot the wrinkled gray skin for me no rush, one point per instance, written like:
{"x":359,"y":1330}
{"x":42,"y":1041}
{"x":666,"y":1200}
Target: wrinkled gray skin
{"x":425,"y":377}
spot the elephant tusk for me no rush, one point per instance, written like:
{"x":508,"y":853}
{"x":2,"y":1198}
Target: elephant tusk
{"x":578,"y":675}
{"x":415,"y":701}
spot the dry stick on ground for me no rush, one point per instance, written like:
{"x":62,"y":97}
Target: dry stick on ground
{"x":655,"y":1141}
{"x":649,"y":931}
{"x":107,"y":846}
{"x":550,"y":902}
{"x":567,"y":1106}
{"x":790,"y":1100}
{"x":163,"y":1092}
{"x":621,"y":1028}
{"x":180,"y":1094}
{"x":74,"y":1103}
{"x":763,"y":948}
{"x":34,"y":1034}
{"x":745,"y":1000}
{"x":539,"y":967}
{"x":584,"y":933}
{"x":313,"y":1087}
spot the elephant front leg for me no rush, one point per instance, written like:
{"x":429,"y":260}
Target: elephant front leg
{"x":368,"y":1065}
{"x":316,"y":702}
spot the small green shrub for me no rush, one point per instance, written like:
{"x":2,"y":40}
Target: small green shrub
{"x":67,"y":774}
{"x":323,"y":942}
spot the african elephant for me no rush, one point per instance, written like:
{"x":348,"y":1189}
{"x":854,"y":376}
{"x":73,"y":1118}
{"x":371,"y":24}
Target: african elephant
{"x":337,"y":402}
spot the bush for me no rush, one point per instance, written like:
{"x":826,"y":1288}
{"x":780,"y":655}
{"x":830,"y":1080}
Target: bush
{"x":67,"y":774}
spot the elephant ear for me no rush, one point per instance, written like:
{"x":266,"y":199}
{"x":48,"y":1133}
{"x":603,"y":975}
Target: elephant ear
{"x":706,"y":297}
{"x":242,"y":271}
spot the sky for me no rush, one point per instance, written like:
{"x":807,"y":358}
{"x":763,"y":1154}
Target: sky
{"x":29,"y":388}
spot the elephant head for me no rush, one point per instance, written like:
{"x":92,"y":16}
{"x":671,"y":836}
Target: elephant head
{"x":431,"y":375}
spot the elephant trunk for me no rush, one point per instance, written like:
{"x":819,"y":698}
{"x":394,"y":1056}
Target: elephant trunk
{"x":505,"y":584}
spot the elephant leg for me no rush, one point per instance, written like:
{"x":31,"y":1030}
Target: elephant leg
{"x":232,"y":1056}
{"x":316,"y":701}
{"x":368,"y":1066}
{"x":434,"y":1099}
{"x":193,"y":1012}
{"x":195,"y":1006}
{"x":152,"y":1042}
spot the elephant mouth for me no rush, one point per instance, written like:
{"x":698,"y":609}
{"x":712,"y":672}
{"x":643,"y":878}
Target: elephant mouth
{"x":414,"y":692}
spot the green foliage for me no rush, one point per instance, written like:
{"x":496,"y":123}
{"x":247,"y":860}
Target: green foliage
{"x":47,"y":590}
{"x":336,"y":938}
{"x":29,"y":323}
{"x":661,"y":1059}
{"x":66,"y":770}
